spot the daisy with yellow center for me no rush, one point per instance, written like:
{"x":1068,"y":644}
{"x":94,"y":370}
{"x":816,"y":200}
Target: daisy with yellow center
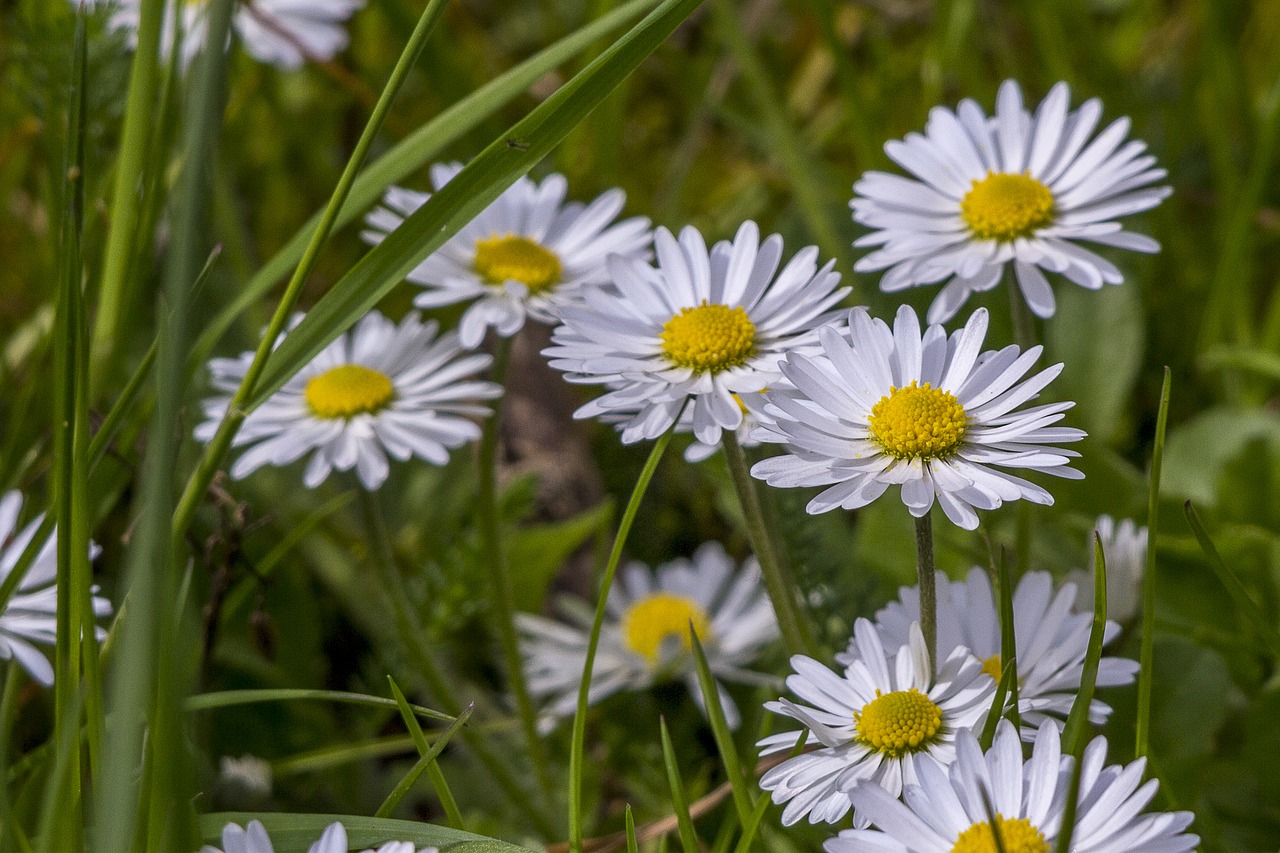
{"x":529,"y":254}
{"x":879,"y":723}
{"x":382,"y":390}
{"x":648,"y":632}
{"x":1018,"y":189}
{"x":702,"y":328}
{"x":948,"y":810}
{"x":931,"y":414}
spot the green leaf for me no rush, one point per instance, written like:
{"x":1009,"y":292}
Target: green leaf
{"x":1261,"y":624}
{"x":424,"y":761}
{"x":228,"y":698}
{"x":679,"y":800}
{"x":720,"y":729}
{"x":295,"y":833}
{"x":538,"y":553}
{"x":1073,"y":734}
{"x":1200,"y":449}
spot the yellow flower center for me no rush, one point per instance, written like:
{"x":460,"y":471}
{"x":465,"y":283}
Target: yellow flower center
{"x":1005,"y":206}
{"x":1016,"y":836}
{"x":650,"y":621}
{"x":991,"y":666}
{"x":918,"y":421}
{"x":349,"y":390}
{"x":508,"y":257}
{"x":709,"y":338}
{"x":898,"y":723}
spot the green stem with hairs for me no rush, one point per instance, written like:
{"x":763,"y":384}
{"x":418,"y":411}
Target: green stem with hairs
{"x":928,"y":592}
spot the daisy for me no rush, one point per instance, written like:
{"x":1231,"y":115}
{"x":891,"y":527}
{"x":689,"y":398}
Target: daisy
{"x":880,"y":722}
{"x":646,"y":634}
{"x":284,"y":33}
{"x":30,"y":617}
{"x":253,"y":838}
{"x":1017,"y":188}
{"x":382,"y":389}
{"x":946,"y":812}
{"x":699,"y":328}
{"x":1051,"y":639}
{"x":529,"y":253}
{"x":933,"y":415}
{"x":1125,"y":547}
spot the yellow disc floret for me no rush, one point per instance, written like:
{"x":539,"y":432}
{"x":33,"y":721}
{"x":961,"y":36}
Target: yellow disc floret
{"x":899,"y":722}
{"x":991,"y":666}
{"x":507,"y":257}
{"x":651,"y":620}
{"x":709,"y":338}
{"x":1004,"y":206}
{"x":918,"y":422}
{"x":1016,"y":836}
{"x":349,"y":390}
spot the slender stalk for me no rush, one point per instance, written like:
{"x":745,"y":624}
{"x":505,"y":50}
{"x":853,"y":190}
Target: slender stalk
{"x":8,"y":713}
{"x":928,"y":591}
{"x":493,"y":554}
{"x":780,"y":586}
{"x":1024,"y":324}
{"x":1146,"y":656}
{"x":593,"y":642}
{"x":236,"y":411}
{"x":414,"y":638}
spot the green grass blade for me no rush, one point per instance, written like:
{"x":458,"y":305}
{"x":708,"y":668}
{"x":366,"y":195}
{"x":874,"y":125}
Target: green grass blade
{"x":230,"y":698}
{"x":720,"y":730}
{"x":58,"y":830}
{"x":1073,"y":734}
{"x":466,"y":195}
{"x":1073,"y":800}
{"x":1146,"y":656}
{"x":679,"y":800}
{"x":633,"y":845}
{"x":419,"y":148}
{"x":294,"y":833}
{"x":1008,"y":639}
{"x":436,"y":777}
{"x":993,"y":821}
{"x":1008,"y":677}
{"x":1228,"y":578}
{"x":426,"y":760}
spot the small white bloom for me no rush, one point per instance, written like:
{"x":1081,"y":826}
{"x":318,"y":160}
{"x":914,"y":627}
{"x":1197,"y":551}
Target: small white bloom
{"x":284,"y":33}
{"x":248,"y":772}
{"x":1016,"y":188}
{"x":380,"y":390}
{"x":528,"y":253}
{"x":253,"y":838}
{"x":30,"y":617}
{"x":1125,"y":547}
{"x":880,"y":722}
{"x":944,"y":812}
{"x":699,"y":328}
{"x":1052,"y":641}
{"x":932,"y":414}
{"x":645,"y":637}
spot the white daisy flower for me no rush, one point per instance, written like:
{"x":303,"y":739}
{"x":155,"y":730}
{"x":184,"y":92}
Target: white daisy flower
{"x":30,"y":617}
{"x":701,"y":327}
{"x":697,"y":451}
{"x":529,"y":253}
{"x":880,"y":722}
{"x":646,"y":638}
{"x":1125,"y":547}
{"x":1052,"y":641}
{"x":380,"y":390}
{"x":1017,"y":188}
{"x":253,"y":838}
{"x":944,"y":812}
{"x":248,"y":772}
{"x":284,"y":33}
{"x":936,"y":416}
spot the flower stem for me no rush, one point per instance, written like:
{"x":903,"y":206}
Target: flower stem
{"x":580,"y":715}
{"x":493,"y":554}
{"x":777,"y":580}
{"x":1024,"y":324}
{"x":414,"y":637}
{"x":928,"y":594}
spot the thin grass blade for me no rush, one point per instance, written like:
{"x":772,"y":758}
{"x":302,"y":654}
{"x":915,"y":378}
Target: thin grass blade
{"x":679,"y":800}
{"x":1074,"y":732}
{"x":1228,"y":578}
{"x":720,"y":730}
{"x":1146,"y":655}
{"x":425,"y":761}
{"x":434,"y":775}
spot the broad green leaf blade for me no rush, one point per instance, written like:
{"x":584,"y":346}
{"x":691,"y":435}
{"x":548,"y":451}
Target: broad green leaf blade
{"x":294,"y":833}
{"x":482,"y":181}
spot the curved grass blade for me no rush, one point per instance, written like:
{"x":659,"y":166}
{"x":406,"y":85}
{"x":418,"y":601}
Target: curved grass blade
{"x":426,"y":760}
{"x":229,"y":698}
{"x":1008,"y":638}
{"x":720,"y":729}
{"x":1231,"y":581}
{"x":633,"y":846}
{"x":1074,"y":732}
{"x":1146,"y":656}
{"x":679,"y":800}
{"x":993,"y":820}
{"x":438,"y":782}
{"x":996,"y":713}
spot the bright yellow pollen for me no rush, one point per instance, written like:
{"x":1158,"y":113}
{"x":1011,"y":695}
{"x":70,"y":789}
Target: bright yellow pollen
{"x":1016,"y":836}
{"x":650,"y":621}
{"x":991,"y":666}
{"x":508,"y":257}
{"x":898,"y":723}
{"x":349,"y":390}
{"x":918,"y":421}
{"x":709,"y":338}
{"x":1005,"y":206}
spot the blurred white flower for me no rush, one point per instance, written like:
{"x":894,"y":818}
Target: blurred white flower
{"x":931,"y":414}
{"x":1017,"y":188}
{"x":529,"y":253}
{"x":253,"y":838}
{"x":645,"y":637}
{"x":1125,"y":547}
{"x":380,"y":390}
{"x":248,"y":772}
{"x":1052,"y":641}
{"x":30,"y":617}
{"x":944,"y":811}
